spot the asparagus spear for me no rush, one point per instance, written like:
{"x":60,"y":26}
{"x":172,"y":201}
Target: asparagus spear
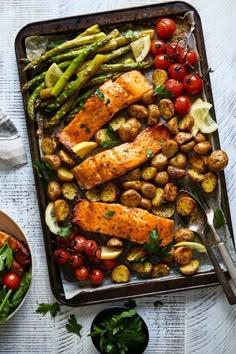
{"x":32,"y":99}
{"x":108,"y":68}
{"x":100,"y":79}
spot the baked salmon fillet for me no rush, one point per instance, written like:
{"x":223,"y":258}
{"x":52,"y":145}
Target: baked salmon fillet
{"x":112,"y":163}
{"x":133,"y":224}
{"x":98,"y":110}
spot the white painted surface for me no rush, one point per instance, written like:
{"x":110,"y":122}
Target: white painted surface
{"x":192,"y":322}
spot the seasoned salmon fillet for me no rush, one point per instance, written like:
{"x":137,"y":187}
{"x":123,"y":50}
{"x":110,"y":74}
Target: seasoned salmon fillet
{"x":99,"y":109}
{"x":112,"y":163}
{"x":117,"y":220}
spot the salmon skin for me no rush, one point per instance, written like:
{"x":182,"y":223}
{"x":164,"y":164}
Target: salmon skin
{"x":133,"y":224}
{"x":99,"y":109}
{"x":112,"y":163}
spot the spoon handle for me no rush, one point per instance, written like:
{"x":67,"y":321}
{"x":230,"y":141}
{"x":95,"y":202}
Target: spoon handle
{"x":231,"y":297}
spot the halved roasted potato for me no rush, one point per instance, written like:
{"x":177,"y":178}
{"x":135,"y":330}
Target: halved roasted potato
{"x":120,"y":274}
{"x":48,"y":145}
{"x":166,"y":210}
{"x":69,"y":190}
{"x":109,"y":192}
{"x":160,"y":270}
{"x":185,"y":206}
{"x":167,"y":108}
{"x":190,"y":268}
{"x":183,"y":255}
{"x":130,"y":198}
{"x":136,"y":253}
{"x":61,"y":209}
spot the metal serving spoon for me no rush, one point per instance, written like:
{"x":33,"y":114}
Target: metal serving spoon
{"x":197,"y":223}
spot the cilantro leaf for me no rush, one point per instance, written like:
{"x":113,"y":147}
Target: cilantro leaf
{"x":6,"y":257}
{"x":149,"y":153}
{"x":65,"y":231}
{"x":109,"y":214}
{"x":219,"y":218}
{"x":162,"y":92}
{"x":54,"y":309}
{"x":73,"y":326}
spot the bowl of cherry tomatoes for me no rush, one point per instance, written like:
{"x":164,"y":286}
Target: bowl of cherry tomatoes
{"x":16,"y":267}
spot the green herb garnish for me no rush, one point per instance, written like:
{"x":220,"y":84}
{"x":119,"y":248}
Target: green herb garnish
{"x":54,"y":309}
{"x":44,"y":171}
{"x":129,"y":34}
{"x":149,"y":153}
{"x":162,"y":92}
{"x":65,"y":231}
{"x":109,"y":214}
{"x":107,"y":101}
{"x":154,"y":248}
{"x":73,"y":326}
{"x":110,"y":143}
{"x":87,"y":130}
{"x":6,"y":257}
{"x":219,"y":218}
{"x":99,"y":94}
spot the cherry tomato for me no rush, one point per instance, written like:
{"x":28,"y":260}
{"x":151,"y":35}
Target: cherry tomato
{"x":90,"y":247}
{"x":165,"y":28}
{"x":177,"y":71}
{"x":174,"y":86}
{"x":161,"y":61}
{"x":182,"y":104}
{"x":192,"y":84}
{"x":82,"y":273}
{"x":93,"y":259}
{"x":96,"y":276}
{"x":157,"y":47}
{"x":66,"y":240}
{"x":173,"y":50}
{"x":76,"y":260}
{"x":11,"y":280}
{"x":79,"y":243}
{"x":61,"y":255}
{"x":188,"y":56}
{"x":109,"y":263}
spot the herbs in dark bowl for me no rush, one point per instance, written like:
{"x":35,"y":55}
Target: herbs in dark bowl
{"x":118,"y":330}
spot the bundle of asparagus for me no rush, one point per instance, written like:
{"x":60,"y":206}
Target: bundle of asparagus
{"x":82,"y":65}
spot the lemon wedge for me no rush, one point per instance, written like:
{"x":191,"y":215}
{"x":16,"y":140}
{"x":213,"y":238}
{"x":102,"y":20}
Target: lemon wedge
{"x":193,"y":245}
{"x":51,"y":220}
{"x":202,"y":119}
{"x":52,"y":75}
{"x":110,"y":252}
{"x":141,"y":48}
{"x":84,"y":148}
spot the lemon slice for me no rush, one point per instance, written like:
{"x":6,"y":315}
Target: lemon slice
{"x":84,"y":148}
{"x":193,"y":245}
{"x":51,"y":220}
{"x":52,"y":75}
{"x":202,"y":119}
{"x":110,"y":252}
{"x":141,"y":48}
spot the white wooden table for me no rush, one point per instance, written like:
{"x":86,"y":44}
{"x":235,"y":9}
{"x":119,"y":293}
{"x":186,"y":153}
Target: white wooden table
{"x":197,"y":321}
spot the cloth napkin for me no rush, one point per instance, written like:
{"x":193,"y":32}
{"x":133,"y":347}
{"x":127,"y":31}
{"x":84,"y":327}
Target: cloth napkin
{"x":12,"y":150}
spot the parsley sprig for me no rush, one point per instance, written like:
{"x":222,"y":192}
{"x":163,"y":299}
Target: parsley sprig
{"x":162,"y":92}
{"x":6,"y":257}
{"x":113,"y":135}
{"x":53,"y":309}
{"x":219,"y":218}
{"x":73,"y":326}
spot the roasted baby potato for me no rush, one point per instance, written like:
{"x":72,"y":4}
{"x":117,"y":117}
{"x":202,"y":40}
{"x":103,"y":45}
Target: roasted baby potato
{"x":129,"y":130}
{"x":53,"y":190}
{"x":183,"y":138}
{"x":145,"y":204}
{"x":179,"y":160}
{"x":173,"y":126}
{"x":148,"y":97}
{"x":130,"y":198}
{"x":160,"y":270}
{"x":170,"y":192}
{"x":143,"y":269}
{"x":175,"y":172}
{"x":148,"y":173}
{"x":185,"y":206}
{"x":101,"y":136}
{"x":183,"y":234}
{"x":197,"y":163}
{"x":132,"y":185}
{"x":169,"y":148}
{"x":93,"y":195}
{"x":48,"y":145}
{"x":153,"y":114}
{"x":209,"y":182}
{"x":132,"y":175}
{"x":199,"y":138}
{"x":159,"y":77}
{"x":148,"y":190}
{"x":61,"y":209}
{"x":53,"y":161}
{"x":202,"y":148}
{"x":64,"y":174}
{"x":195,"y":176}
{"x":190,"y":268}
{"x":136,"y":253}
{"x":114,"y":242}
{"x":183,"y":255}
{"x":167,"y":108}
{"x":186,"y":123}
{"x":161,"y":178}
{"x":217,"y":160}
{"x":66,"y":158}
{"x":69,"y":190}
{"x":117,"y":122}
{"x":120,"y":274}
{"x":164,"y":210}
{"x":109,"y":192}
{"x":160,"y":162}
{"x":159,"y":197}
{"x":187,"y":147}
{"x":138,"y":111}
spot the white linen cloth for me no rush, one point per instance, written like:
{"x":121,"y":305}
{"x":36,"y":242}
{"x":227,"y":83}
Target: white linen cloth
{"x":12,"y":150}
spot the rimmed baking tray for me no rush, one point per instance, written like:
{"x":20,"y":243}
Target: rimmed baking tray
{"x":72,"y":25}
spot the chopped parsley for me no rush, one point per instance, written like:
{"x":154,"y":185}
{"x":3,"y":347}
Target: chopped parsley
{"x":162,"y":92}
{"x":109,"y":214}
{"x":73,"y":326}
{"x":219,"y":218}
{"x":54,"y":309}
{"x":107,"y":101}
{"x":99,"y":94}
{"x":65,"y":231}
{"x":149,"y":153}
{"x":87,"y":130}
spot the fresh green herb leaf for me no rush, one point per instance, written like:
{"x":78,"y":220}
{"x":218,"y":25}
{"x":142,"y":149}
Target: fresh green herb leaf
{"x":54,"y":309}
{"x":110,"y":143}
{"x":81,"y":105}
{"x":109,"y":214}
{"x":21,"y":290}
{"x":162,"y":92}
{"x":149,"y":153}
{"x":112,"y":133}
{"x":100,"y":94}
{"x":44,"y":171}
{"x":107,"y":101}
{"x":82,"y":185}
{"x":73,"y":326}
{"x":154,"y":248}
{"x":87,"y":130}
{"x":65,"y":231}
{"x":6,"y":257}
{"x":219,"y":218}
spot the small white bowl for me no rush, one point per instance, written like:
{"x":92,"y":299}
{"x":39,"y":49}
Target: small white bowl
{"x":9,"y":226}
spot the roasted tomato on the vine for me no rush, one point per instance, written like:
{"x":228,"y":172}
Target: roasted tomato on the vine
{"x":79,"y":243}
{"x":76,"y":260}
{"x":177,"y":71}
{"x":90,"y":247}
{"x":188,"y":56}
{"x":161,"y":61}
{"x":182,"y":104}
{"x":165,"y":28}
{"x":173,"y":50}
{"x":157,"y":47}
{"x":82,"y":273}
{"x":61,"y":255}
{"x":66,"y":240}
{"x":174,"y":86}
{"x":109,"y":263}
{"x":96,"y":276}
{"x":192,"y":84}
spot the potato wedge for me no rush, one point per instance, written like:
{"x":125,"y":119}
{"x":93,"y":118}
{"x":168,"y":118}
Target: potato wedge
{"x":179,"y":160}
{"x":167,"y":108}
{"x":187,"y":147}
{"x":169,"y":148}
{"x":138,"y":111}
{"x":197,"y":163}
{"x":120,"y":274}
{"x":186,"y":123}
{"x":159,"y":197}
{"x":101,"y":136}
{"x":132,"y":185}
{"x":176,"y":173}
{"x":53,"y":161}
{"x":61,"y":209}
{"x":109,"y":192}
{"x":160,"y":270}
{"x":129,"y":130}
{"x":66,"y":158}
{"x":153,"y":114}
{"x":132,"y":175}
{"x":183,"y":137}
{"x":185,"y":206}
{"x":69,"y":190}
{"x":209,"y":182}
{"x":183,"y":255}
{"x":130,"y":198}
{"x":143,"y":269}
{"x":148,"y":97}
{"x":84,"y":148}
{"x":145,"y":204}
{"x":195,"y":176}
{"x":199,"y":138}
{"x":203,"y":148}
{"x":64,"y":174}
{"x":48,"y":145}
{"x":190,"y":268}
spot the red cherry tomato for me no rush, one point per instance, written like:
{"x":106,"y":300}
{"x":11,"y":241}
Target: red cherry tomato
{"x":157,"y":47}
{"x":177,"y":71}
{"x":109,"y":263}
{"x":66,"y":240}
{"x":192,"y":84}
{"x":165,"y":28}
{"x":61,"y":255}
{"x":79,"y":243}
{"x":96,"y":276}
{"x":182,"y":104}
{"x":11,"y":280}
{"x":173,"y":50}
{"x":82,"y":273}
{"x":90,"y":247}
{"x":188,"y":56}
{"x":76,"y":260}
{"x":93,"y":259}
{"x":161,"y":61}
{"x":174,"y":86}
